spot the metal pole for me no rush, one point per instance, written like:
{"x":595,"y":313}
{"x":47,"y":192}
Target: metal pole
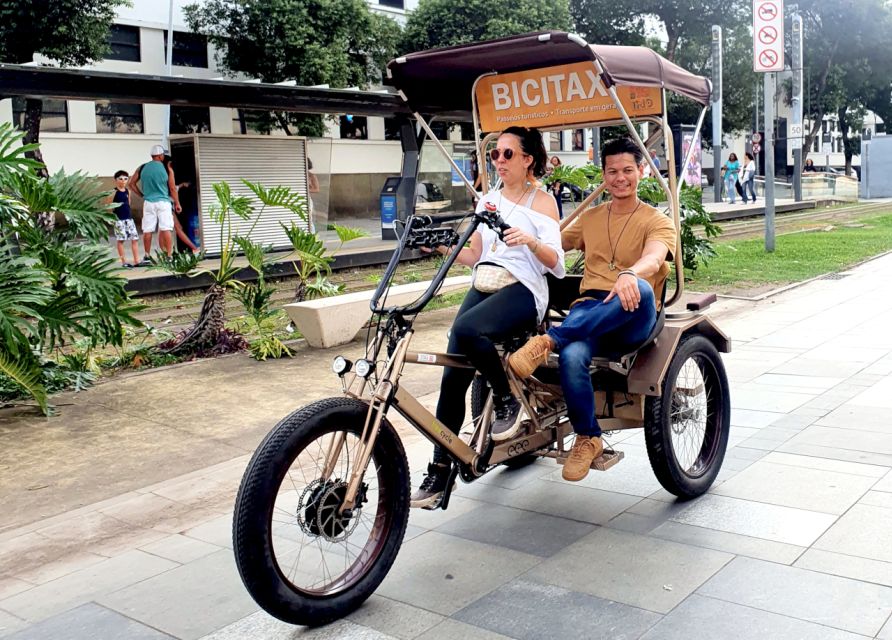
{"x":716,"y":112}
{"x":768,"y":140}
{"x":165,"y":137}
{"x":796,"y":115}
{"x":596,"y":146}
{"x":756,"y":128}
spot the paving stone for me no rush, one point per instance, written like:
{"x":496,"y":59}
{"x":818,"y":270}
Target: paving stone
{"x":180,"y":548}
{"x":717,"y":619}
{"x":835,"y":453}
{"x":858,"y":532}
{"x":846,"y":439}
{"x":262,"y":625}
{"x":71,"y":562}
{"x":89,"y":622}
{"x":82,"y":586}
{"x":188,"y":601}
{"x":824,"y":599}
{"x":793,"y":421}
{"x":745,"y":453}
{"x":458,"y":506}
{"x":217,"y":531}
{"x":11,"y":586}
{"x":771,"y":522}
{"x":516,"y":610}
{"x":394,"y":618}
{"x":753,"y":418}
{"x":634,"y":523}
{"x":565,"y":500}
{"x":9,"y":624}
{"x":825,"y":464}
{"x":760,"y":443}
{"x":442,"y":573}
{"x":852,"y":416}
{"x":451,"y":629}
{"x":632,"y":476}
{"x":809,"y":366}
{"x":534,"y":533}
{"x":885,"y":484}
{"x":747,"y":397}
{"x":515,"y":478}
{"x":797,"y":487}
{"x":877,"y":499}
{"x":789,"y":380}
{"x":637,"y":570}
{"x":729,"y":542}
{"x":838,"y":564}
{"x":879,"y":395}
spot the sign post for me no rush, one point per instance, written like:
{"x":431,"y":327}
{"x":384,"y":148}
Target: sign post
{"x":717,"y":113}
{"x":796,"y":134}
{"x":768,"y":58}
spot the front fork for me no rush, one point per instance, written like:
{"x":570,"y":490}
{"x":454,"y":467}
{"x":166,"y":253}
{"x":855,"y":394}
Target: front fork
{"x":379,"y":403}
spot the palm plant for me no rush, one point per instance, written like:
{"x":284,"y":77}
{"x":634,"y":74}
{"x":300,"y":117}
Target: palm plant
{"x":56,"y":283}
{"x":314,"y":265}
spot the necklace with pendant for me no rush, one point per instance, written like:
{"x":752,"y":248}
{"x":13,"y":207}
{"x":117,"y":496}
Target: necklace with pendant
{"x":492,"y":249}
{"x":612,"y":264}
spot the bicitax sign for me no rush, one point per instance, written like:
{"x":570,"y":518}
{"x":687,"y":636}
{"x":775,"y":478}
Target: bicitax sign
{"x":556,"y":96}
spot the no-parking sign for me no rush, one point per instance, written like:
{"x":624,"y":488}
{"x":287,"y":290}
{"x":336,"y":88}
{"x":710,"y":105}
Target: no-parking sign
{"x":768,"y":35}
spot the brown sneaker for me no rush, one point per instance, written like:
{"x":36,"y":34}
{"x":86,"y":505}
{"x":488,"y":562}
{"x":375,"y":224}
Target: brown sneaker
{"x":584,"y":452}
{"x":530,"y":356}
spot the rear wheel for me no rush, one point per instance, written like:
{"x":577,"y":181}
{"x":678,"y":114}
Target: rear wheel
{"x":686,"y":428}
{"x":301,"y":559}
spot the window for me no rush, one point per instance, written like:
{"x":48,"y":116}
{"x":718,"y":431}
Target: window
{"x":189,"y":49}
{"x":396,"y":4}
{"x":391,"y":129}
{"x":117,"y":117}
{"x":556,"y":141}
{"x":578,"y":139}
{"x":53,"y":120}
{"x":440,"y":129}
{"x":354,"y":127}
{"x":123,"y":43}
{"x":190,"y":119}
{"x":467,"y":130}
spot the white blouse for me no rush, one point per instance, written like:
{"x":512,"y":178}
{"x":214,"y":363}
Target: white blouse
{"x":519,"y":260}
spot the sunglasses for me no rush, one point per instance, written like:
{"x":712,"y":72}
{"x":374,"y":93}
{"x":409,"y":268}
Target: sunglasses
{"x":495,"y":154}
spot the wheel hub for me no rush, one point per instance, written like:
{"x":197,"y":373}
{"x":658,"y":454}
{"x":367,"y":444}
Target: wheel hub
{"x":318,"y":510}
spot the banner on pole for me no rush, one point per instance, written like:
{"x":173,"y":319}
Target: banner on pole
{"x":768,"y":35}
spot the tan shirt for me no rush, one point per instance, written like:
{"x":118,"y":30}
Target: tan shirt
{"x":589,"y":233}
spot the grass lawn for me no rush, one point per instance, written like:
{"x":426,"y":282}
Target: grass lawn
{"x":742,"y":264}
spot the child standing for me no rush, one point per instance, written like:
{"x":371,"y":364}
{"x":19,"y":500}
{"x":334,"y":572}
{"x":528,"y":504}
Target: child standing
{"x":125,"y":228}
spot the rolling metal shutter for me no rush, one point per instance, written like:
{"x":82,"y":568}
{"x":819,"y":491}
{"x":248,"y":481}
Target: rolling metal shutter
{"x":272,"y":162}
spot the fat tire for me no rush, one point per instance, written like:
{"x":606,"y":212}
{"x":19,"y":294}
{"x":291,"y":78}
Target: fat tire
{"x":658,"y":428}
{"x":251,"y":531}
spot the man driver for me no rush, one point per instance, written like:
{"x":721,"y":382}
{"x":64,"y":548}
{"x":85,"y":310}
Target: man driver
{"x":625,"y":243}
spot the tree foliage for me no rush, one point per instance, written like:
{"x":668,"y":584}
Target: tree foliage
{"x":440,"y":23}
{"x":312,"y":42}
{"x":59,"y":285}
{"x":71,"y":32}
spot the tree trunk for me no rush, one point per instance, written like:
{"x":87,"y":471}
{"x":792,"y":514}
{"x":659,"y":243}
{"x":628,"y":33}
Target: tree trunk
{"x":46,"y":220}
{"x":283,"y":122}
{"x":206,"y":330}
{"x":300,"y":292}
{"x":842,"y":114}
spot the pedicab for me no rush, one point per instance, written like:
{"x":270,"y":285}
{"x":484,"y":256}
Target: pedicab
{"x":324,"y":502}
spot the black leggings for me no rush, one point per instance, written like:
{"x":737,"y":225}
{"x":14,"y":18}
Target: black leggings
{"x":482,"y":320}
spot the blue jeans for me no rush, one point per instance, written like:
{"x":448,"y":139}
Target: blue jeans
{"x":595,"y":328}
{"x":751,"y":186}
{"x":729,"y":187}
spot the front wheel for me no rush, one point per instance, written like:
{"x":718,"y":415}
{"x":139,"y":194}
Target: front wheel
{"x":301,"y":559}
{"x":686,"y":428}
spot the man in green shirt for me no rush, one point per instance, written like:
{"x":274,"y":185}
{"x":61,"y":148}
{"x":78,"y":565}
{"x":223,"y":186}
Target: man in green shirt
{"x":156,"y":185}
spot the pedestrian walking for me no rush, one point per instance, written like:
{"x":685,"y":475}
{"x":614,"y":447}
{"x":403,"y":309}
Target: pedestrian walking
{"x":729,"y":174}
{"x":748,"y":177}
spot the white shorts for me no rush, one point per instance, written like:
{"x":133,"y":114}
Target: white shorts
{"x":157,"y":214}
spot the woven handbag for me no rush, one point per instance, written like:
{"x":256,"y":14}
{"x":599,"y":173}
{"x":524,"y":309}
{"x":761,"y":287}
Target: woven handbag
{"x":489,"y":278}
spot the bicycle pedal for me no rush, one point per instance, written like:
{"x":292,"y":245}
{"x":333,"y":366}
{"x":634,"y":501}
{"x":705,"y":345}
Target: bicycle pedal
{"x":603,"y":462}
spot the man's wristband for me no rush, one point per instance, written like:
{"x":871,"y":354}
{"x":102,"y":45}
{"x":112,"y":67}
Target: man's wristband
{"x":627,"y":272}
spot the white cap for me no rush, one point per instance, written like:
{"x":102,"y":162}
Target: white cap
{"x":157,"y":150}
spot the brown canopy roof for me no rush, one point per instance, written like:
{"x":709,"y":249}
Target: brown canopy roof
{"x":439,"y":81}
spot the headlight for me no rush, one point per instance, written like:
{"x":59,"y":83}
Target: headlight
{"x":364,"y":368}
{"x":340,"y":365}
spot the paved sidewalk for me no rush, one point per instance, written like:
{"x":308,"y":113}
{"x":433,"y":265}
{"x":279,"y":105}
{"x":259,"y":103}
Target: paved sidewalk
{"x":791,"y":542}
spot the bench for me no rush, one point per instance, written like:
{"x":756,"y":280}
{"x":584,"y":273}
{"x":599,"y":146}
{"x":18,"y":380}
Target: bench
{"x":329,"y":322}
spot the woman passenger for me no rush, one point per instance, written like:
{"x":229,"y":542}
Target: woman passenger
{"x":531,"y":247}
